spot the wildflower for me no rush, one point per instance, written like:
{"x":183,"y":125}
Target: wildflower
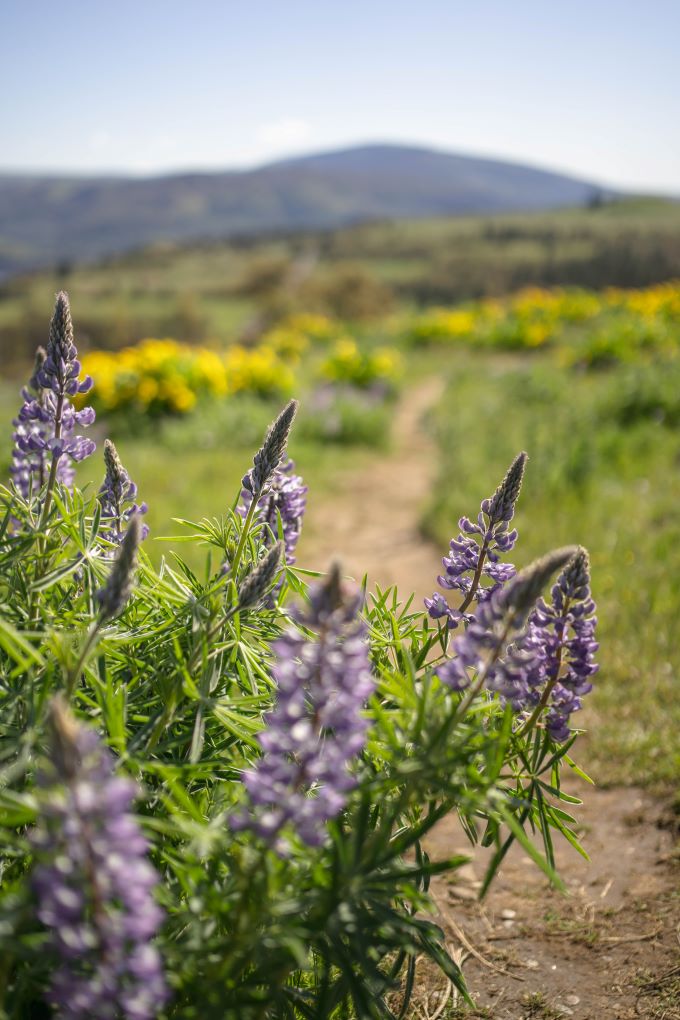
{"x":30,"y":456}
{"x":567,"y":629}
{"x":118,"y":588}
{"x":269,"y":455}
{"x":317,"y":726}
{"x":44,"y":439}
{"x":285,"y":497}
{"x":117,"y":495}
{"x":61,"y":367}
{"x":94,"y":884}
{"x":499,"y":619}
{"x":471,"y":558}
{"x":259,"y":580}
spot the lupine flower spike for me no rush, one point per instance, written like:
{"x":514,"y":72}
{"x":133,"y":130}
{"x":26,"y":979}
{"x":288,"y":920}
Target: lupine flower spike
{"x":94,"y":883}
{"x":475,"y":554}
{"x":257,"y":481}
{"x":285,"y":497}
{"x":260,"y":579}
{"x":565,"y":629}
{"x":269,"y":455}
{"x":44,"y":441}
{"x":117,"y":590}
{"x":117,"y":497}
{"x":30,"y":456}
{"x":317,"y":726}
{"x":484,"y":652}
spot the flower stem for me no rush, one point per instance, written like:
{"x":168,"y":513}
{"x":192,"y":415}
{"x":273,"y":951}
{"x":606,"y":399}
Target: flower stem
{"x":54,"y":465}
{"x":74,"y":673}
{"x":244,"y":534}
{"x":477,"y":576}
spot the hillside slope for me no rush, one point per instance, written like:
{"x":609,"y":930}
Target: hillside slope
{"x":45,"y":219}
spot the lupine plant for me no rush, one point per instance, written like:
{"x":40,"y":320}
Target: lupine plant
{"x":216,"y":789}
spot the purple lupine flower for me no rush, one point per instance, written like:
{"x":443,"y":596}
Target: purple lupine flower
{"x":519,"y":674}
{"x":476,"y":552}
{"x":61,"y":367}
{"x":567,"y":630}
{"x":286,"y":495}
{"x":45,"y":427}
{"x":94,"y":884}
{"x":31,"y":454}
{"x":497,"y":646}
{"x":257,"y":583}
{"x":113,"y":596}
{"x":268,"y":457}
{"x":317,"y":726}
{"x":117,"y":497}
{"x":30,"y":462}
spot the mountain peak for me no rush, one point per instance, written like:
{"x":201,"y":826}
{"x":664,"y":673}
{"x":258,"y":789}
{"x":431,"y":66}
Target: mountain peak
{"x":45,"y":219}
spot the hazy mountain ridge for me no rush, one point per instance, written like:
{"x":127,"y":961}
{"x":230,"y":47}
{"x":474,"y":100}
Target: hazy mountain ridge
{"x":51,"y":218}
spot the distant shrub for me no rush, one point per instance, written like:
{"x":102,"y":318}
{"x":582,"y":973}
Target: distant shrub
{"x":347,"y":363}
{"x":444,"y":325}
{"x":294,"y":335}
{"x":159,"y":377}
{"x":257,"y":370}
{"x":346,"y":416}
{"x":264,"y":275}
{"x":590,"y":329}
{"x":348,"y":292}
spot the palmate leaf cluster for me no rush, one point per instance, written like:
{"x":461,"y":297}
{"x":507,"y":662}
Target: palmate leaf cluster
{"x":177,"y":686}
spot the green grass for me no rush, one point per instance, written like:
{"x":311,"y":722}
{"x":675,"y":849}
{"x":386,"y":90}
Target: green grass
{"x":590,"y":480}
{"x":190,"y":468}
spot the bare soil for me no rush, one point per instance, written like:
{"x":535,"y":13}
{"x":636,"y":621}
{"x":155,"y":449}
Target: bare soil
{"x":370,"y":519}
{"x":609,"y":947}
{"x":606,"y":949}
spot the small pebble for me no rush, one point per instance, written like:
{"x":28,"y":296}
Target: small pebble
{"x":532,"y":964}
{"x":461,"y":893}
{"x":508,"y":915}
{"x":572,"y":1000}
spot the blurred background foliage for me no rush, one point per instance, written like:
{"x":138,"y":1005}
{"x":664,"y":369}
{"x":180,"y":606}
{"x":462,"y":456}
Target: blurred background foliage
{"x":228,"y":291}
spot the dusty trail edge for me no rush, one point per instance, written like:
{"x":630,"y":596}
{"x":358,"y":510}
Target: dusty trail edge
{"x":608,"y":948}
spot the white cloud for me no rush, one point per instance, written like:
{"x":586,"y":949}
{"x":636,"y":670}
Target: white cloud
{"x":282,"y":133}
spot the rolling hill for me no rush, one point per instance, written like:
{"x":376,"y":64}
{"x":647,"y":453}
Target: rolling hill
{"x":45,"y":219}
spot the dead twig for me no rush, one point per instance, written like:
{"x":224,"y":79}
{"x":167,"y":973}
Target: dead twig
{"x":618,"y":939}
{"x":462,"y":938}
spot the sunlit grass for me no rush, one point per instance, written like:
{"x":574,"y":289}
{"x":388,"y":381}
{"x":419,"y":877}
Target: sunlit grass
{"x":613,"y":489}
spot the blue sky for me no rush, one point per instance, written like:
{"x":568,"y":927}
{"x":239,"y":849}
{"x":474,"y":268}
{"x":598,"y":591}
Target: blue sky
{"x":158,"y":85}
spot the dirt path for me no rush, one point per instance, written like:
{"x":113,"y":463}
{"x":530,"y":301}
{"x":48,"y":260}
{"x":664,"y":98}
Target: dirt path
{"x":608,"y":949}
{"x":370,"y":520}
{"x":605,"y":950}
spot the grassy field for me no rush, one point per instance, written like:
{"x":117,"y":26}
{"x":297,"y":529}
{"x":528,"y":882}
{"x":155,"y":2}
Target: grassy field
{"x":220,"y":292}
